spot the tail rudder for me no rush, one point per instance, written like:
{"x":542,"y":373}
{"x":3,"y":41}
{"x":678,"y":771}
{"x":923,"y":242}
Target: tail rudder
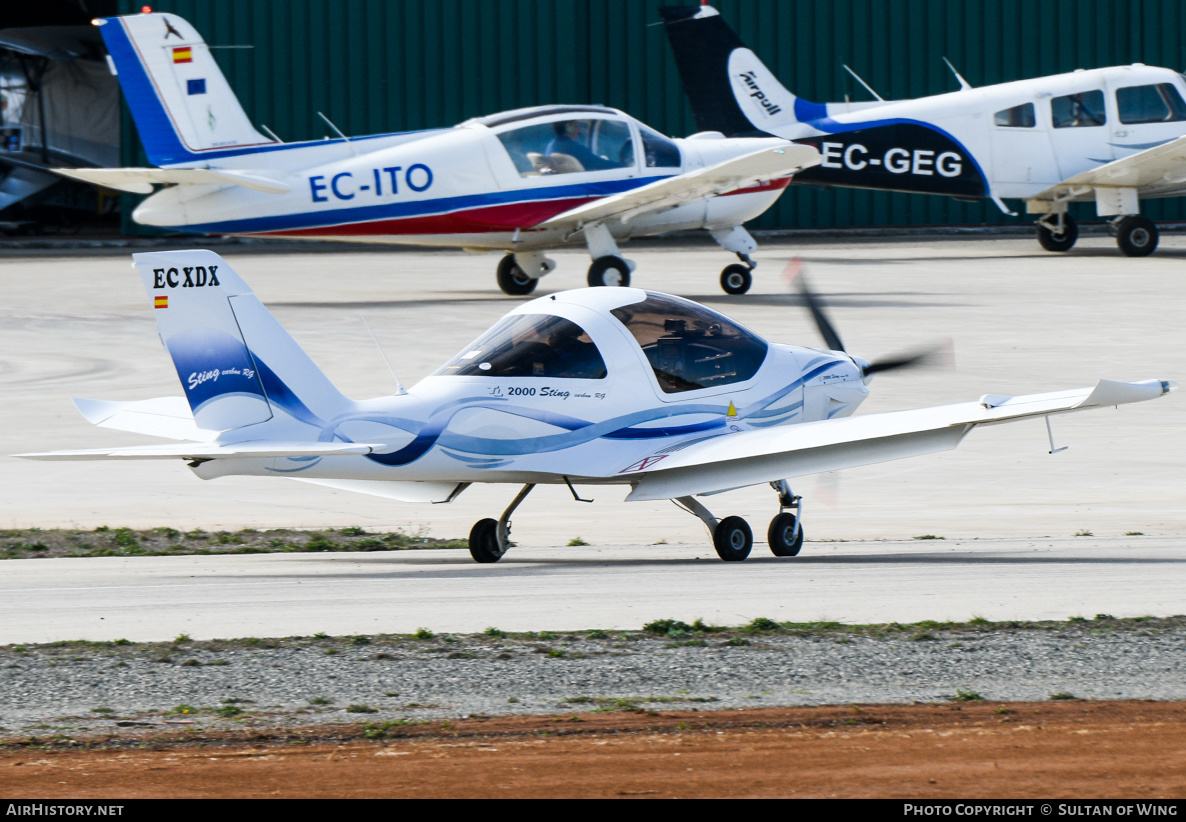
{"x":729,"y":89}
{"x":237,"y":364}
{"x":182,"y":104}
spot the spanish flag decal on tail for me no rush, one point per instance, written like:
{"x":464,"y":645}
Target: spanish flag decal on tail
{"x":160,"y":302}
{"x":183,"y":54}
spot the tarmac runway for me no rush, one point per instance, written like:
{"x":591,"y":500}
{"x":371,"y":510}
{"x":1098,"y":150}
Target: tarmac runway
{"x":574,"y":588}
{"x":1021,"y":320}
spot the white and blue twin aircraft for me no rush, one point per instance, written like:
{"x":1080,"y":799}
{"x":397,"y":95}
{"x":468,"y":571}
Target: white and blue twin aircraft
{"x":521,"y":181}
{"x":592,"y":387}
{"x":1112,"y":135}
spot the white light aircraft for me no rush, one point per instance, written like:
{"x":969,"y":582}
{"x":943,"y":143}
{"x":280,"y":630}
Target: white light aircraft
{"x":1113,"y":135}
{"x":601,"y":386}
{"x":522,"y":181}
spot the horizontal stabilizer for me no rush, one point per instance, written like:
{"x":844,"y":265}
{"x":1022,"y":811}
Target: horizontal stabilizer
{"x":141,"y":180}
{"x":167,"y":417}
{"x":672,"y":192}
{"x":209,"y":451}
{"x":768,"y":455}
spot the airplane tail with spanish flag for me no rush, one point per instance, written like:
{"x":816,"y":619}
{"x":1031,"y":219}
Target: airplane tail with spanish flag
{"x":182,"y":104}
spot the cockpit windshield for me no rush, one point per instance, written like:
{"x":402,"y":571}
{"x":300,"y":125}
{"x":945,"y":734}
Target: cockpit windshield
{"x":530,"y":345}
{"x":569,"y":146}
{"x":690,"y":346}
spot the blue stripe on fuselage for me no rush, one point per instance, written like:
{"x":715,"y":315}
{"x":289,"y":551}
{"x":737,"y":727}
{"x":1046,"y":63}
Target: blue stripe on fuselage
{"x":395,"y":211}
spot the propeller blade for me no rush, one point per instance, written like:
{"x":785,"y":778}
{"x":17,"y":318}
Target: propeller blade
{"x":816,"y":306}
{"x":938,"y":355}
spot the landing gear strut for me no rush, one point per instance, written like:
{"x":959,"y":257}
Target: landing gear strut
{"x":732,"y":537}
{"x":785,"y":534}
{"x":736,"y":279}
{"x":1057,"y":232}
{"x":490,"y":538}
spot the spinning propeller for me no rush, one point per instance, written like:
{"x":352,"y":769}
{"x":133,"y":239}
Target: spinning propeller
{"x":934,"y":355}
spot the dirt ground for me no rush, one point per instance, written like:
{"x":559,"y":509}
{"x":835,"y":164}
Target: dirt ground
{"x":1086,"y":750}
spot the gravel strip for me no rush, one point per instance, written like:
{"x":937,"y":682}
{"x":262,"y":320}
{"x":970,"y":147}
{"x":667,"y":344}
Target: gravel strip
{"x":66,"y":689}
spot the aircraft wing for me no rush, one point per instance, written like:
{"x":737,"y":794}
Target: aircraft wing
{"x":141,"y":180}
{"x":209,"y":451}
{"x":768,"y":455}
{"x":1160,"y":169}
{"x":672,"y":192}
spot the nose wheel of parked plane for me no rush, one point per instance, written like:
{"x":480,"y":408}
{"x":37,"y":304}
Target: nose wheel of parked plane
{"x":736,"y":279}
{"x":732,"y":537}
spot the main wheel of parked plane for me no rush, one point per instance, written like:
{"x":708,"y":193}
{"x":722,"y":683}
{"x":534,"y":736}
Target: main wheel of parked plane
{"x":733,"y":539}
{"x":609,"y":271}
{"x":483,"y":541}
{"x":512,"y":279}
{"x":1053,"y":242}
{"x":1136,"y":236}
{"x":784,"y":542}
{"x":736,"y":279}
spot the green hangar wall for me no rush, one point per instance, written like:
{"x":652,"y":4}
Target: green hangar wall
{"x":377,"y":66}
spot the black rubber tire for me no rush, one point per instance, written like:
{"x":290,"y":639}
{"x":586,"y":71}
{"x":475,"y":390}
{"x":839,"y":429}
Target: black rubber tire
{"x":1137,"y":236}
{"x":778,"y":535}
{"x":736,"y":279}
{"x":1066,"y":242}
{"x":611,"y":271}
{"x":733,"y":539}
{"x":511,"y":278}
{"x":483,"y":541}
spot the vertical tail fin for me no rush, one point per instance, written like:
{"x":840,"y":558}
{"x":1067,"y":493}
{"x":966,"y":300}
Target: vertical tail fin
{"x":729,"y":88}
{"x":238,"y":366}
{"x":181,"y":102}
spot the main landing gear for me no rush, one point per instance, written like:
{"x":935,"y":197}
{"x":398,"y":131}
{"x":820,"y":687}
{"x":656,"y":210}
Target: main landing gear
{"x":518,"y":274}
{"x":490,"y":538}
{"x":1135,"y":235}
{"x":732,"y":537}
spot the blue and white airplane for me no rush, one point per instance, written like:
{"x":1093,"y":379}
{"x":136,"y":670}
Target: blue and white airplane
{"x":1112,"y":135}
{"x":593,"y":387}
{"x":521,"y":181}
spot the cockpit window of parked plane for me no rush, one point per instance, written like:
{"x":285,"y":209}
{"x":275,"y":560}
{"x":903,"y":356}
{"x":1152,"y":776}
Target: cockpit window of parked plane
{"x":1081,"y":110}
{"x":1160,"y":103}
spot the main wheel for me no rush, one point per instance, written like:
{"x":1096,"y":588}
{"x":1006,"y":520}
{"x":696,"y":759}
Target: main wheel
{"x":1053,"y":242}
{"x":609,"y":271}
{"x":512,"y":279}
{"x":736,"y":279}
{"x":733,"y":539}
{"x":1136,"y":236}
{"x":784,"y":542}
{"x":483,"y":541}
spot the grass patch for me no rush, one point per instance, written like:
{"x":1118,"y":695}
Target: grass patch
{"x":104,"y":541}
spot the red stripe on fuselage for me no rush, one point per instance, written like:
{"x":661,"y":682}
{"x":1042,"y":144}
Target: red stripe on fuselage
{"x":488,"y":220}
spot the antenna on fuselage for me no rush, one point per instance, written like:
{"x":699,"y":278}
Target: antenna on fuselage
{"x":964,"y":84}
{"x":868,"y":87}
{"x":271,"y":133}
{"x":399,"y":387}
{"x":329,"y":123}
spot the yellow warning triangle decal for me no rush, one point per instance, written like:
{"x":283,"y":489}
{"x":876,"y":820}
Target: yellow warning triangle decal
{"x":732,"y":412}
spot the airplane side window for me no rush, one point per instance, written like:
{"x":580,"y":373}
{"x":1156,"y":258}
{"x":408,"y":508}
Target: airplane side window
{"x":690,"y":347}
{"x":1082,"y":110}
{"x":660,"y":151}
{"x":569,"y":146}
{"x":1017,"y":117}
{"x":530,"y":345}
{"x":1159,"y":103}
